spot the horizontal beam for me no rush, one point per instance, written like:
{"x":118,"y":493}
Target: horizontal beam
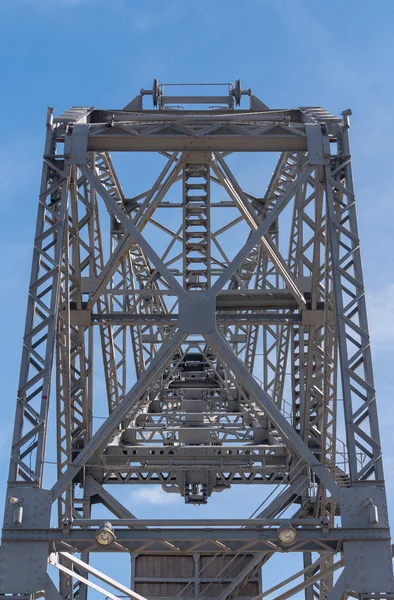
{"x":112,"y":142}
{"x":125,"y":318}
{"x":229,"y":458}
{"x":222,"y":540}
{"x":233,"y":454}
{"x":195,"y":99}
{"x":251,"y":532}
{"x":268,"y":297}
{"x":188,"y":117}
{"x":165,"y":475}
{"x":256,"y":523}
{"x":247,"y":299}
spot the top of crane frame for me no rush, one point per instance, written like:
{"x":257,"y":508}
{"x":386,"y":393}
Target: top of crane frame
{"x":223,"y":103}
{"x":233,"y":120}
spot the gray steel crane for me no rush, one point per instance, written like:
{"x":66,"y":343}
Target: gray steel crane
{"x":227,"y":323}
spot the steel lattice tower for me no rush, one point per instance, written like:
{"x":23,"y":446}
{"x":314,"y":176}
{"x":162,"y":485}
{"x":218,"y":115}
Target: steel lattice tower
{"x":184,"y":320}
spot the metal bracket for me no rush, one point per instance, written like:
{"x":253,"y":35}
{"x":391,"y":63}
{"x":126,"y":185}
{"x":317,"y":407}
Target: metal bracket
{"x":314,"y":137}
{"x":313,"y":317}
{"x":197,"y":313}
{"x":80,"y":317}
{"x":36,"y":514}
{"x":76,"y":145}
{"x":197,"y":158}
{"x":368,"y":566}
{"x":317,"y":143}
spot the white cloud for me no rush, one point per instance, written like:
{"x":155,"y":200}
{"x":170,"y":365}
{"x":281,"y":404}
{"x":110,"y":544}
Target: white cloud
{"x":380,"y":306}
{"x":155,"y":496}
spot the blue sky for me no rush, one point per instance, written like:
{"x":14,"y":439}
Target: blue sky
{"x":290,"y":52}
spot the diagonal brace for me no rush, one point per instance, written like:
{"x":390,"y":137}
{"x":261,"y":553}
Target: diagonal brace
{"x":262,"y":229}
{"x":234,"y":190}
{"x":94,"y":488}
{"x":105,"y":578}
{"x":109,"y":269}
{"x":96,"y":573}
{"x":131,"y":402}
{"x":289,"y":435}
{"x":114,"y":208}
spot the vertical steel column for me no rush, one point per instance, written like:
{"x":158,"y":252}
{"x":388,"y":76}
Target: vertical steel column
{"x":29,"y":437}
{"x":359,"y":398}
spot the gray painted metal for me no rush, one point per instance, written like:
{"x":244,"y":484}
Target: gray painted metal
{"x":182,"y":330}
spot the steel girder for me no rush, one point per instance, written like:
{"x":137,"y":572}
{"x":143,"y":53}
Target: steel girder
{"x":183,"y":317}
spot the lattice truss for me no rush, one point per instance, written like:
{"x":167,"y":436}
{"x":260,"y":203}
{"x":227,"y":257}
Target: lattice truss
{"x":225,"y":324}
